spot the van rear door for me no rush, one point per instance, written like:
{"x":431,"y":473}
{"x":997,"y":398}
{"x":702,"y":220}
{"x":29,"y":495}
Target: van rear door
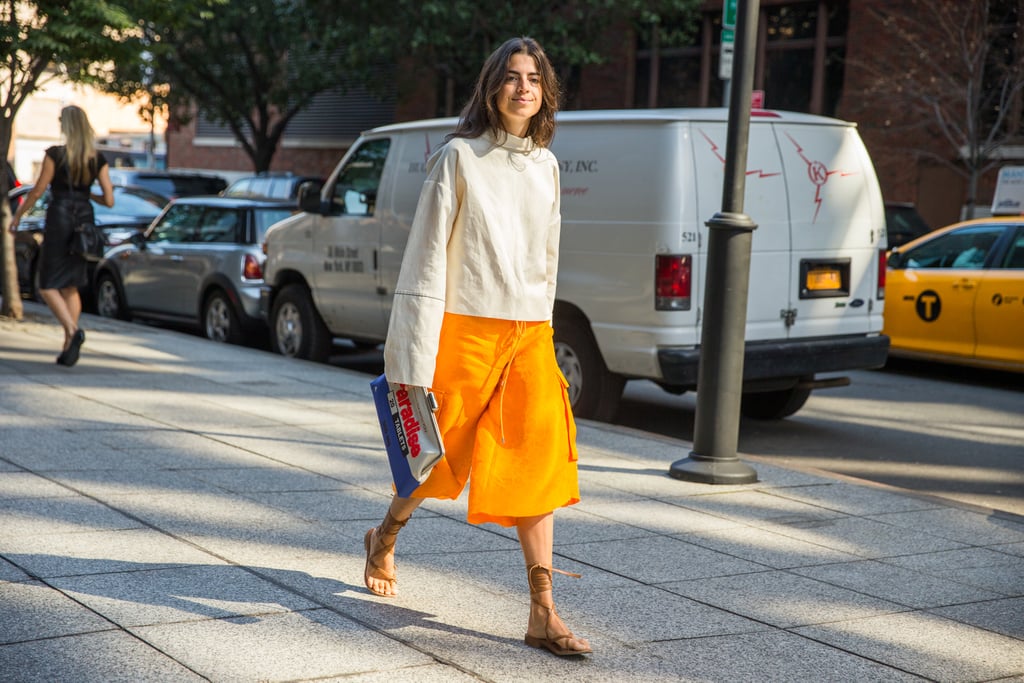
{"x":765,"y":201}
{"x":837,"y":226}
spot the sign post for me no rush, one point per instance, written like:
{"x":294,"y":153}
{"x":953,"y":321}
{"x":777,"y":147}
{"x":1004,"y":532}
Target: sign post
{"x":728,"y":40}
{"x":714,"y":458}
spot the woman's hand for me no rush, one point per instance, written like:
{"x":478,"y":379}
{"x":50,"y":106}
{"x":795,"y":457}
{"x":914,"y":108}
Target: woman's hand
{"x":14,"y":225}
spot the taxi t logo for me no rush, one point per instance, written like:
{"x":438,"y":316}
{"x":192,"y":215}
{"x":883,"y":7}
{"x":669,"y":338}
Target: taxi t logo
{"x":928,"y":305}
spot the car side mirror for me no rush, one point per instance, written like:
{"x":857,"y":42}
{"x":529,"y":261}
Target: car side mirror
{"x":309,"y":198}
{"x":139,"y":240}
{"x":894,"y":259}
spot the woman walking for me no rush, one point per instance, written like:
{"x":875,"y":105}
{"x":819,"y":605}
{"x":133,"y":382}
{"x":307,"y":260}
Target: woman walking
{"x":472,"y":320}
{"x":69,"y":170}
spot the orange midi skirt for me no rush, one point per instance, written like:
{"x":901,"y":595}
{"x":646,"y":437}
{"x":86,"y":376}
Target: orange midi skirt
{"x":504,"y":415}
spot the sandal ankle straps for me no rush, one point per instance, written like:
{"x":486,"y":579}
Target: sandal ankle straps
{"x":390,"y":525}
{"x":542,"y":582}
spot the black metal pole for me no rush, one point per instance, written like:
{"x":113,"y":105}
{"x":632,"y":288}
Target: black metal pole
{"x":713,"y":459}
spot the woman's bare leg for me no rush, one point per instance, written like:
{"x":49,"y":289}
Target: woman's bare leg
{"x":73,"y":300}
{"x":537,"y":537}
{"x":380,"y":553}
{"x":65,"y":308}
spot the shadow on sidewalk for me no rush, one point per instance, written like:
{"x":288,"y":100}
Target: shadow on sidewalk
{"x":135,"y":594}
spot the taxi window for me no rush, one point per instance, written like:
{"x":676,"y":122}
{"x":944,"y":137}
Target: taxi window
{"x":1015,"y":253}
{"x":966,"y":248}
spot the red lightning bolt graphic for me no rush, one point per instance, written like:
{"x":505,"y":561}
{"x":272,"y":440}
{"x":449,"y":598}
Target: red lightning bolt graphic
{"x":818,"y":173}
{"x":714,"y":150}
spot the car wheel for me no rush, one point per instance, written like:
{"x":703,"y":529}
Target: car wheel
{"x":220,"y":322}
{"x":593,"y":391}
{"x":109,"y":299}
{"x":296,"y":328}
{"x":774,"y":405}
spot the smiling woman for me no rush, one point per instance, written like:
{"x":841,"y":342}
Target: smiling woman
{"x":520,"y":96}
{"x":471,"y":318}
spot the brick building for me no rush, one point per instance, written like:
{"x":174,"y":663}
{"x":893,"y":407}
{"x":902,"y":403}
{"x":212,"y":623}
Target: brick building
{"x":842,"y":58}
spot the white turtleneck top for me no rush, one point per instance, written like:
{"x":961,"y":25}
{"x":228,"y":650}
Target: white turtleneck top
{"x":483,"y":242}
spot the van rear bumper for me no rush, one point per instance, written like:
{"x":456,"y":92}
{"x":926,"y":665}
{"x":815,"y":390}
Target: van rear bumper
{"x":783,"y":359}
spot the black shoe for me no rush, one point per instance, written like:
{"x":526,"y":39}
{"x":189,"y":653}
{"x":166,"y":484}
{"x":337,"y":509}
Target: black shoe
{"x":70,"y":357}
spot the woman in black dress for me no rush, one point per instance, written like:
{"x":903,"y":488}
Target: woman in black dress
{"x":69,"y":170}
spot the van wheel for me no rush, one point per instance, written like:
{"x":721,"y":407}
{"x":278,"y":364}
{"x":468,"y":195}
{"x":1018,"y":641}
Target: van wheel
{"x":593,"y":391}
{"x":774,"y":405}
{"x":296,"y":328}
{"x":220,"y":322}
{"x":109,"y":300}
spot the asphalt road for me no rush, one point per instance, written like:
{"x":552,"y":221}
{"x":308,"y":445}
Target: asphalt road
{"x":927,"y":427}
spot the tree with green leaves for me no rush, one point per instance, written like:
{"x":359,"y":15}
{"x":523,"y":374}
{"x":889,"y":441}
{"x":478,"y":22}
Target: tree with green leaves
{"x":253,"y":65}
{"x":248,"y":65}
{"x":75,"y":40}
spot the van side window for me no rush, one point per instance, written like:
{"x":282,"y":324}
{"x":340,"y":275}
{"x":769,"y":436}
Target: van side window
{"x":355,"y":190}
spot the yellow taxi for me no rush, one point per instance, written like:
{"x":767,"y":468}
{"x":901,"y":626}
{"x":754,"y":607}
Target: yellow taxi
{"x":957,"y":295}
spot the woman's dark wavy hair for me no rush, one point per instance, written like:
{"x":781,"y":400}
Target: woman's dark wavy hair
{"x":481,"y":112}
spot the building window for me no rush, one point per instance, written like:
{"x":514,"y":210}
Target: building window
{"x":799,"y":60}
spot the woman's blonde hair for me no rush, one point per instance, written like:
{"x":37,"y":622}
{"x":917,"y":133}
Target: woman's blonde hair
{"x":481,"y":112}
{"x":80,"y":142}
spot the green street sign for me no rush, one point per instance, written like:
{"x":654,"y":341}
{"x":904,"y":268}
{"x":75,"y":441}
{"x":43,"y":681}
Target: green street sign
{"x":728,"y":35}
{"x":729,"y":14}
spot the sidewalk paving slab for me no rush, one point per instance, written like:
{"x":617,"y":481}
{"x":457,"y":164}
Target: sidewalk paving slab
{"x":177,"y":510}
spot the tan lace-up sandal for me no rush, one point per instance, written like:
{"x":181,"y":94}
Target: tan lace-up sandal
{"x":539,"y":578}
{"x":385,"y":536}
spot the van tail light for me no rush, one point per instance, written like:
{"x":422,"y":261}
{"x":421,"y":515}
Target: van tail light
{"x":252,"y":270}
{"x":672,"y":278}
{"x":883,"y":259}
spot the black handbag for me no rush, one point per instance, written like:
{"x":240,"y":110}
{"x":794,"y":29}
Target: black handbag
{"x":87,"y":242}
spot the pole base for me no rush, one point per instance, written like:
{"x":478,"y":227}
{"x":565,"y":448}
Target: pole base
{"x":712,"y":470}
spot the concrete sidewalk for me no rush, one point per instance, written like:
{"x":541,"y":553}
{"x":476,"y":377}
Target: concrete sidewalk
{"x":173,"y":509}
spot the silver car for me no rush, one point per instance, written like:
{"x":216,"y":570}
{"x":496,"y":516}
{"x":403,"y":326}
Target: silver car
{"x":199,"y":263}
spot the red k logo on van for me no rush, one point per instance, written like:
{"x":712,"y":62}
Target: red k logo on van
{"x":818,"y":173}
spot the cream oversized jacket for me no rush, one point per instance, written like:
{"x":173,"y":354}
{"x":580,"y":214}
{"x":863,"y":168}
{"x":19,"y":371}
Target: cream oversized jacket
{"x":483,"y":242}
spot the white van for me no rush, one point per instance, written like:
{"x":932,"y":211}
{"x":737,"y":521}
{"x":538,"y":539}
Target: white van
{"x":637,"y":188}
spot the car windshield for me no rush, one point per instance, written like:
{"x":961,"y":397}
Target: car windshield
{"x":267,"y":217}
